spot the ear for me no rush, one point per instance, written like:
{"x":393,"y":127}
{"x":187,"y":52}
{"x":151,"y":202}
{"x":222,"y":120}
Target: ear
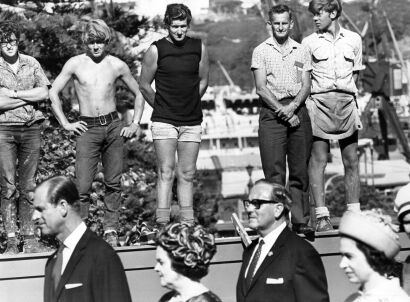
{"x":63,"y":207}
{"x":333,"y":15}
{"x":269,"y":22}
{"x":291,"y":24}
{"x":279,"y":208}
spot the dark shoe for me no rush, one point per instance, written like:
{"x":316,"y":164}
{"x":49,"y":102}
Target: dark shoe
{"x":304,"y":229}
{"x":33,"y":245}
{"x":12,"y":246}
{"x":148,"y":233}
{"x":111,"y":238}
{"x":323,"y":224}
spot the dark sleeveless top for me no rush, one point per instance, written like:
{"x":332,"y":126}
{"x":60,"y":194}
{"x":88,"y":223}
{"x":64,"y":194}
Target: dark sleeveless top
{"x":177,"y":99}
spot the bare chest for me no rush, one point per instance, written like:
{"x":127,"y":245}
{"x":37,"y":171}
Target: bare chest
{"x":95,"y":75}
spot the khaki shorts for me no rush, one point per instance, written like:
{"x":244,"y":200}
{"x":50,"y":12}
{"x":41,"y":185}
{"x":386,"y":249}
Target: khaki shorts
{"x":161,"y":130}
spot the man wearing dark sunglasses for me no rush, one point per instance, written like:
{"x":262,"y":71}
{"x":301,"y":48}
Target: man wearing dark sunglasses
{"x":22,"y":85}
{"x":279,"y":265}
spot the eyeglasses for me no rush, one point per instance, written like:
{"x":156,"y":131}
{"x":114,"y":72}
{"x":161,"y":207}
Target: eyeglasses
{"x":11,"y":42}
{"x":257,"y":203}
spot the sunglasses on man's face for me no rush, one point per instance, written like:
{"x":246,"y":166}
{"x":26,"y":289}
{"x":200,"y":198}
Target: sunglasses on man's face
{"x":256,"y":203}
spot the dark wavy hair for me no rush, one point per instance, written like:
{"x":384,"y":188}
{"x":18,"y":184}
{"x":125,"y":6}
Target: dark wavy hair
{"x":315,"y":6}
{"x":177,"y":11}
{"x":7,"y":29}
{"x":280,"y":9}
{"x":189,"y":247}
{"x":377,"y":260}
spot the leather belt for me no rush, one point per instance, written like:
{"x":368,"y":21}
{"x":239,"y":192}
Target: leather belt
{"x":100,"y":120}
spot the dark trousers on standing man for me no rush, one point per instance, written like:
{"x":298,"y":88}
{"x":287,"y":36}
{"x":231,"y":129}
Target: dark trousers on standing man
{"x":278,"y":142}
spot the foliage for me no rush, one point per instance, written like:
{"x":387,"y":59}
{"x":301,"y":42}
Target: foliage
{"x":369,"y":199}
{"x":138,"y":184}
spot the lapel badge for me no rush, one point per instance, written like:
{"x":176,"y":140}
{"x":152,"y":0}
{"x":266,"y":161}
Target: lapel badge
{"x":270,"y":253}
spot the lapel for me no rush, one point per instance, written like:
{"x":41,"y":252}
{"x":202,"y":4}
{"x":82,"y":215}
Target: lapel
{"x":274,"y":252}
{"x":78,"y":253}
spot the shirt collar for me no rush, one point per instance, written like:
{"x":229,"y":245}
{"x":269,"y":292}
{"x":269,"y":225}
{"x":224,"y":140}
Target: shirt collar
{"x":341,"y":34}
{"x":271,"y":238}
{"x":22,"y":60}
{"x":390,"y":285}
{"x":291,"y":44}
{"x":72,"y":240}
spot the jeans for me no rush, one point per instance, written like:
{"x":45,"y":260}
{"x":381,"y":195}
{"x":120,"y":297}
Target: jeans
{"x":106,"y":143}
{"x":277,"y":140}
{"x":19,"y":152}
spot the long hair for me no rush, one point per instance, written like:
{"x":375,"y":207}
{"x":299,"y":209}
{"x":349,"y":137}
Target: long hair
{"x":96,"y":29}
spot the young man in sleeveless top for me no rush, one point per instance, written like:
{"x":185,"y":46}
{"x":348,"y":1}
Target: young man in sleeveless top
{"x":179,"y":65}
{"x":100,"y":131}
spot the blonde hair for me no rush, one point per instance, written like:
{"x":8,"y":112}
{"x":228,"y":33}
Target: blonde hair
{"x":96,"y":29}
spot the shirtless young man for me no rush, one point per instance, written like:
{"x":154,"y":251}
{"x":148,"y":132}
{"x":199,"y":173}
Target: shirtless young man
{"x":100,"y":131}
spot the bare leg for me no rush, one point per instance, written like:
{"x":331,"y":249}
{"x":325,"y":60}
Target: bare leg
{"x":317,"y":165}
{"x":348,"y":147}
{"x":187,"y":156}
{"x":165,"y":151}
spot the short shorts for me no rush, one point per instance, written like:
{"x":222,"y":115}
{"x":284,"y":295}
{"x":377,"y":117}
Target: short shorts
{"x":181,"y":133}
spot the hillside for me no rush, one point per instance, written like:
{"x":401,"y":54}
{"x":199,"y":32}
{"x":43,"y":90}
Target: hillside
{"x":232,"y":41}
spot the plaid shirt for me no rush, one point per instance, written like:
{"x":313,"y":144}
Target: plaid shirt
{"x":334,"y":61}
{"x":29,"y":75}
{"x":283,"y":70}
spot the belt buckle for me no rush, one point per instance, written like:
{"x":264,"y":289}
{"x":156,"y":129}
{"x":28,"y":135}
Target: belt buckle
{"x":102,"y":119}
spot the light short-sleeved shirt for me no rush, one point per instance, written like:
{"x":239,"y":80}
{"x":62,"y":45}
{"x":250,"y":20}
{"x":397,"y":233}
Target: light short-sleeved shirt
{"x":29,"y":75}
{"x":284,"y":70}
{"x":334,"y":61}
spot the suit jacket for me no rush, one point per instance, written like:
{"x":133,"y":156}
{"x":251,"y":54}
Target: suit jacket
{"x":291,"y":272}
{"x":94,"y":273}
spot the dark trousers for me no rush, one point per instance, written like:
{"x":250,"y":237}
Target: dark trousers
{"x":19,"y":157}
{"x":105,"y":143}
{"x":278,"y":142}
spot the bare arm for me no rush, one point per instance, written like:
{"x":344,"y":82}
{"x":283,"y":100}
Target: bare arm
{"x":58,"y":85}
{"x":32,"y":95}
{"x":149,"y":68}
{"x":262,"y":90}
{"x":289,"y":110}
{"x":304,"y":90}
{"x":267,"y":96}
{"x":7,"y":103}
{"x":203,"y":71}
{"x":139,"y":102}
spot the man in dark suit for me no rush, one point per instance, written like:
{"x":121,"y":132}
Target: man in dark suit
{"x":279,"y":265}
{"x":85,"y":267}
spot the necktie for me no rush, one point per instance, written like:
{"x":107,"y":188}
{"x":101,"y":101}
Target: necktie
{"x":58,"y":264}
{"x":252,"y":266}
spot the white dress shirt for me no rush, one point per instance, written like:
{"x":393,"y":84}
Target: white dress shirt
{"x":71,"y":242}
{"x":269,"y":241}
